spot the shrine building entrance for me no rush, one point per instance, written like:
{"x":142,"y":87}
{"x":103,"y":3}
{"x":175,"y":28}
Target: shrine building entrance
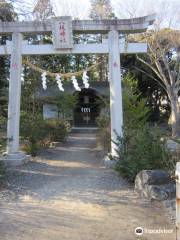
{"x":87,"y":108}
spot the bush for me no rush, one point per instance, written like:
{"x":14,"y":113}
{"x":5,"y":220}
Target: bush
{"x":66,"y":103}
{"x":37,"y":133}
{"x":3,"y":121}
{"x":104,"y":133}
{"x":135,"y":111}
{"x":2,"y":145}
{"x":57,"y":129}
{"x":32,"y":129}
{"x":2,"y":174}
{"x":141,"y":149}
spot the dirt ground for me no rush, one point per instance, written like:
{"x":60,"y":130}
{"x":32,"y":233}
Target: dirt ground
{"x":67,"y":194}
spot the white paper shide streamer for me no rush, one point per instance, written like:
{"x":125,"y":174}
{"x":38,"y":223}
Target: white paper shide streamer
{"x":75,"y":83}
{"x":59,"y":82}
{"x":44,"y":84}
{"x":22,"y":76}
{"x":85,"y":79}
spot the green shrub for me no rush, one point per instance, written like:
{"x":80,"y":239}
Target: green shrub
{"x":31,"y":147}
{"x":141,"y":149}
{"x":2,"y":174}
{"x":102,"y":121}
{"x":104,"y":133}
{"x":37,"y":133}
{"x":3,"y":121}
{"x":135,"y":111}
{"x":33,"y":130}
{"x":2,"y":145}
{"x":57,"y":129}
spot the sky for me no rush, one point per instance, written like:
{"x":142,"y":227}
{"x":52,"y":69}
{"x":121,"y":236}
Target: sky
{"x":168,"y":11}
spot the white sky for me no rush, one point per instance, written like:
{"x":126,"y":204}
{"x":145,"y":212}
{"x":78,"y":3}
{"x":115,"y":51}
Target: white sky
{"x":168,"y":11}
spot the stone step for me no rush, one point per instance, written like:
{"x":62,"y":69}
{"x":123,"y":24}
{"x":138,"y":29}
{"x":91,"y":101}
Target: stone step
{"x":84,"y":129}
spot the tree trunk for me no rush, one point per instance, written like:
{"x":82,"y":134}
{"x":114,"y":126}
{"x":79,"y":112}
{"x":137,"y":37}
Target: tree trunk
{"x":175,"y":117}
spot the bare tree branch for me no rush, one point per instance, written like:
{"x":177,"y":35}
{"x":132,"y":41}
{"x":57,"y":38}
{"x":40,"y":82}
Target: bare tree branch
{"x":154,"y":70}
{"x":156,"y":80}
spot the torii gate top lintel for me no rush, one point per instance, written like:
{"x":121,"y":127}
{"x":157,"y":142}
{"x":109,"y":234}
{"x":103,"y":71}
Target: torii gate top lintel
{"x":133,"y":25}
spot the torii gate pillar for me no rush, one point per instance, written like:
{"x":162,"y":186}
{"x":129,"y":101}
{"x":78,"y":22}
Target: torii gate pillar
{"x":13,"y":152}
{"x":115,"y":89}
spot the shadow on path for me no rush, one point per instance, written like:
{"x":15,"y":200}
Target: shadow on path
{"x":67,"y":193}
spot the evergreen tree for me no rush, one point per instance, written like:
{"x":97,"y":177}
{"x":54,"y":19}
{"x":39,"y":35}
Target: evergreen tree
{"x":7,"y":14}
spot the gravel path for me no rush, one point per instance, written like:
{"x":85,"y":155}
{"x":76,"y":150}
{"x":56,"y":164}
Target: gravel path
{"x":67,"y":194}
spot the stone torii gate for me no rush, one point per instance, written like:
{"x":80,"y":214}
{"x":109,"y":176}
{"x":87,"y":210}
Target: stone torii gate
{"x":63,"y":44}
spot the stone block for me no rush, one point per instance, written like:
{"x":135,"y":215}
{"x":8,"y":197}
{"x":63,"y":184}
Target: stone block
{"x":15,"y":159}
{"x":172,"y":145}
{"x":155,"y":185}
{"x":152,"y":177}
{"x":160,"y":192}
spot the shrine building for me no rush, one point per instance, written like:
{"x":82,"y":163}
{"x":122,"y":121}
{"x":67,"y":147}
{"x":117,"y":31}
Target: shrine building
{"x":88,"y":107}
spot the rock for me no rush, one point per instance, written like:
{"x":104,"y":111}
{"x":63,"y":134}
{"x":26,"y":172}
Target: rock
{"x":160,"y":192}
{"x":172,"y":145}
{"x":170,"y":204}
{"x":109,"y":163}
{"x":151,"y":177}
{"x":155,"y":185}
{"x":170,"y":207}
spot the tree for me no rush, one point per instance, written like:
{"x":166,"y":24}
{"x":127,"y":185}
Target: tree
{"x":101,"y":9}
{"x":43,"y":10}
{"x":164,"y":60}
{"x":141,"y":146}
{"x":167,"y":14}
{"x":8,"y":14}
{"x":156,"y":97}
